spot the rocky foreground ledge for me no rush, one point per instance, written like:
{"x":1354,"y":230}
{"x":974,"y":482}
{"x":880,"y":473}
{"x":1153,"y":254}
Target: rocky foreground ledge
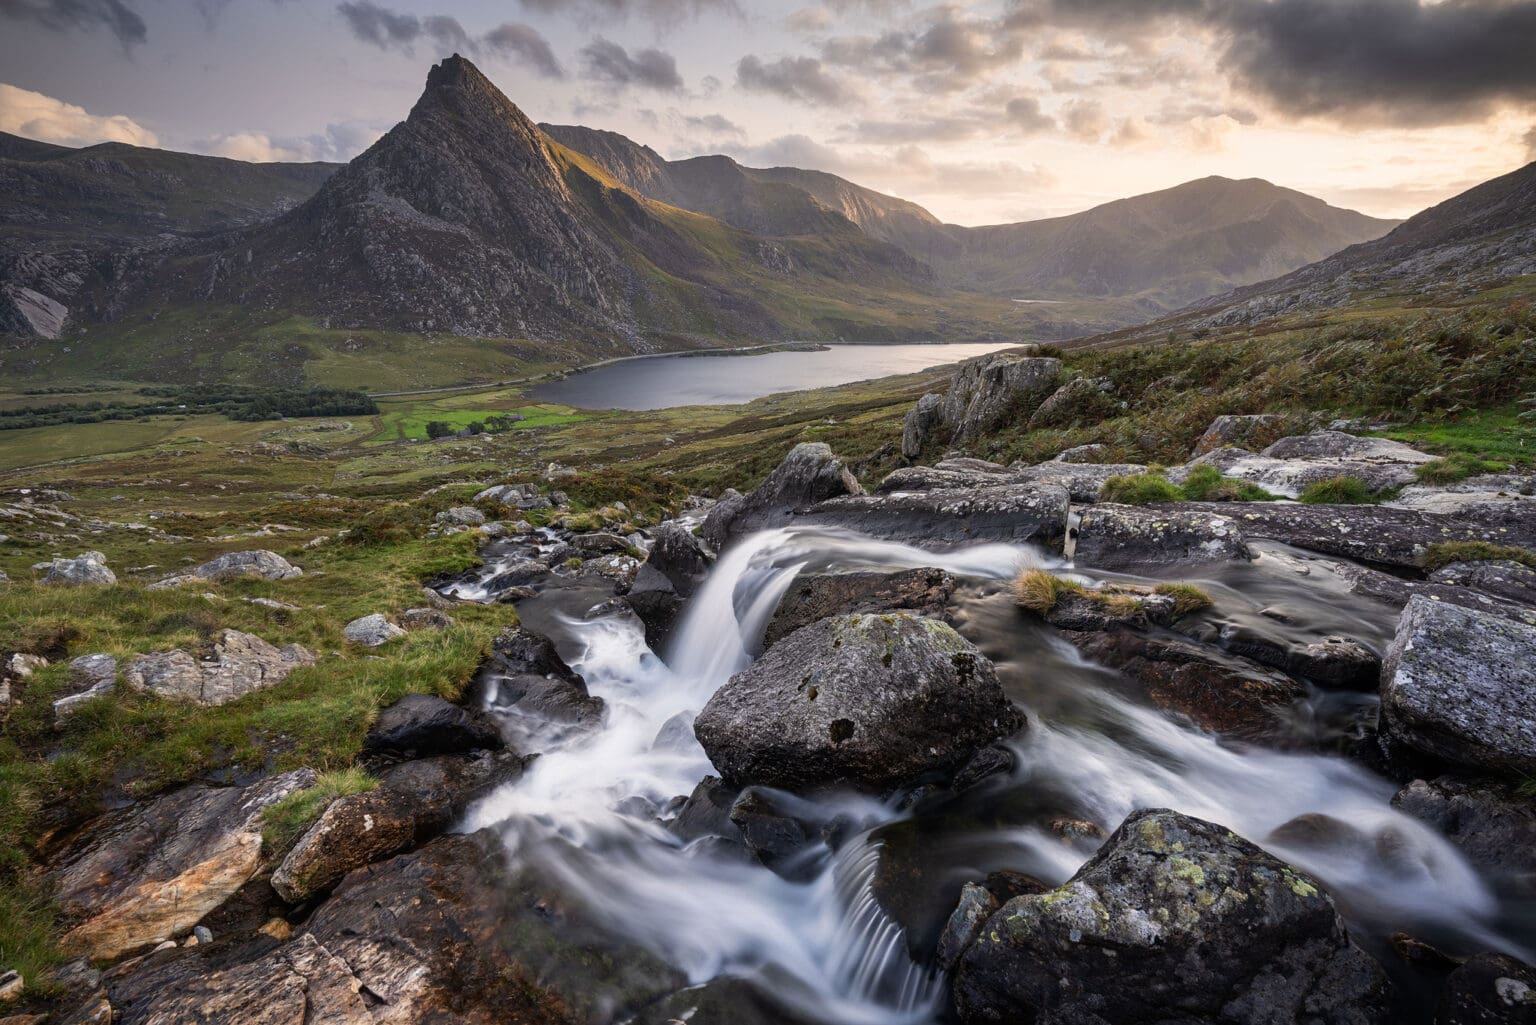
{"x":186,"y":907}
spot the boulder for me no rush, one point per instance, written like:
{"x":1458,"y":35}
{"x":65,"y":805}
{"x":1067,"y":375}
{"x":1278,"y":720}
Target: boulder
{"x":421,"y":725}
{"x":1511,"y":581}
{"x":1083,"y":481}
{"x":530,"y":687}
{"x":996,"y":387}
{"x":1217,"y":691}
{"x":1490,"y":989}
{"x":21,"y":665}
{"x":921,"y":425}
{"x":1144,"y":539}
{"x":87,"y":569}
{"x":1018,"y":513}
{"x":1248,"y":432}
{"x":774,"y":833}
{"x":1173,"y":920}
{"x":1338,"y":445}
{"x":414,"y":802}
{"x":1082,"y":400}
{"x":656,"y":603}
{"x":1093,"y":453}
{"x":137,"y":877}
{"x":461,"y":516}
{"x":808,"y":475}
{"x":864,"y":700}
{"x":92,"y":676}
{"x":1492,"y":824}
{"x":923,"y":592}
{"x":707,"y":812}
{"x":679,"y":556}
{"x":371,"y":631}
{"x":233,"y":565}
{"x":1460,"y":686}
{"x":425,"y":618}
{"x":239,"y":664}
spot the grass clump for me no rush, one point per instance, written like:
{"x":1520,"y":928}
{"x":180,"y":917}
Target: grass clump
{"x":1039,"y":590}
{"x":1140,"y":489}
{"x":1454,"y":467}
{"x":27,"y":934}
{"x":1442,"y":555}
{"x":1187,"y":598}
{"x":1205,"y":483}
{"x":284,"y":821}
{"x":1338,"y":491}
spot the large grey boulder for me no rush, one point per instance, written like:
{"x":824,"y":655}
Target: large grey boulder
{"x":1133,"y":538}
{"x":1034,"y":513}
{"x":239,"y":664}
{"x":990,"y":389}
{"x":1079,"y":401}
{"x":1489,"y":989}
{"x":923,"y":592}
{"x":1248,"y":432}
{"x":233,"y":565}
{"x":136,"y":877}
{"x":1338,"y":445}
{"x":921,"y":425}
{"x":1460,"y":686}
{"x":1174,"y":920}
{"x":808,"y":475}
{"x":89,"y":568}
{"x":870,"y":701}
{"x":371,"y":631}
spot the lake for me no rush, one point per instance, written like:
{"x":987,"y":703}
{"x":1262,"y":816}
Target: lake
{"x":657,"y":382}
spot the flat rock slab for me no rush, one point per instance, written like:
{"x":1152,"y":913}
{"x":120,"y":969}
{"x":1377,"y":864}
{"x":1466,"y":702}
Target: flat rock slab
{"x":134,"y":878}
{"x":1460,"y":686}
{"x":1017,"y":513}
{"x":923,"y":592}
{"x":1135,"y":539}
{"x":240,"y":664}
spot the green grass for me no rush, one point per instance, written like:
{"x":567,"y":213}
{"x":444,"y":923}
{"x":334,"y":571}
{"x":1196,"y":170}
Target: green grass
{"x":27,"y":935}
{"x":1205,"y":483}
{"x":1140,"y":489}
{"x":1187,"y":598}
{"x":283,"y":822}
{"x":1441,"y":555}
{"x":1339,"y":491}
{"x":1039,"y":591}
{"x":1455,"y":467}
{"x":412,"y":425}
{"x":1495,"y":434}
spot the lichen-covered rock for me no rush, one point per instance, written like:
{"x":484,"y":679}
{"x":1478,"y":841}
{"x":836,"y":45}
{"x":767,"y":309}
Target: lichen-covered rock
{"x":1130,"y":539}
{"x":1249,"y":432}
{"x":1492,"y":824}
{"x":1173,"y":920}
{"x":921,"y":424}
{"x":461,"y":516}
{"x":1083,"y":481}
{"x":239,"y":664}
{"x":425,"y":618}
{"x":1511,"y":581}
{"x":977,"y":903}
{"x":1019,"y":513}
{"x":1490,"y":989}
{"x":808,"y":475}
{"x":1290,"y":477}
{"x":923,"y":592}
{"x":1093,"y":453}
{"x":1460,"y":686}
{"x":137,"y":877}
{"x":233,"y":565}
{"x":89,"y":568}
{"x":866,"y":700}
{"x":420,"y":725}
{"x":1338,"y":445}
{"x":988,"y":389}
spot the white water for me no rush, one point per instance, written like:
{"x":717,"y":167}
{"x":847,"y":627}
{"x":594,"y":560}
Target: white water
{"x":824,"y":946}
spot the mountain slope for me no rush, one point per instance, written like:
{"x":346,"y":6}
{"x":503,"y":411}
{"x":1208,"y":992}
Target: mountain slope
{"x":67,"y":215}
{"x":1463,"y":244}
{"x":1167,"y":248}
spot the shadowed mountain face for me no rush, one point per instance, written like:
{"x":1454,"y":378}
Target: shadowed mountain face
{"x":1468,"y":242}
{"x":1163,"y":249}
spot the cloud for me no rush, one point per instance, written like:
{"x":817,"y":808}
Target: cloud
{"x":809,"y":19}
{"x":801,"y":79}
{"x":390,"y":30}
{"x":1530,"y":144}
{"x":663,"y":12}
{"x":947,"y":49}
{"x":715,"y":126}
{"x":907,"y":169}
{"x":1024,"y":114}
{"x":80,"y":15}
{"x":338,"y":143}
{"x":1085,"y":119}
{"x":607,"y":61}
{"x":36,"y":116}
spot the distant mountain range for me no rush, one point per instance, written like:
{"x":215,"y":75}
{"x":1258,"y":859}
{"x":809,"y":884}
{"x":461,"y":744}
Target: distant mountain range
{"x":468,"y":221}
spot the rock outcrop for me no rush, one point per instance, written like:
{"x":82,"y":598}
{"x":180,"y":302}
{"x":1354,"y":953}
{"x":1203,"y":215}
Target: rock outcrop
{"x":89,"y":568}
{"x":1135,"y":539}
{"x":870,"y":701}
{"x":372,"y":631}
{"x":233,"y":565}
{"x":808,"y":475}
{"x":239,"y":664}
{"x":922,"y":592}
{"x":989,"y":389}
{"x":1173,"y":920}
{"x":421,"y":725}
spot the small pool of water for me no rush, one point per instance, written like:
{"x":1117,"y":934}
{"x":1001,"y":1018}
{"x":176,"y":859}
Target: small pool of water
{"x":661,"y":381}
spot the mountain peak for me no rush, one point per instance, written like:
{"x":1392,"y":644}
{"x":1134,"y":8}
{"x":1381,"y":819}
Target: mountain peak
{"x":456,"y":72}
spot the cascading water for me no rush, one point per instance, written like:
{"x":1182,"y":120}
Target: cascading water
{"x":588,"y":810}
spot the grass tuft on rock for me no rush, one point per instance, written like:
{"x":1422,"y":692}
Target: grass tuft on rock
{"x":1456,"y":466}
{"x":1338,"y":491}
{"x":1140,"y":489}
{"x":1444,"y":554}
{"x":1039,"y":590}
{"x":1205,"y":483}
{"x":1187,"y":598}
{"x":284,"y":821}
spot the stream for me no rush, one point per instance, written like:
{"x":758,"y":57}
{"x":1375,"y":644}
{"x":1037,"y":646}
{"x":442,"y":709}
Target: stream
{"x":849,"y":935}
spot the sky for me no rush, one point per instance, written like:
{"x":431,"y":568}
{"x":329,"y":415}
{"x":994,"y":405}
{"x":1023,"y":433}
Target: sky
{"x":984,"y":112}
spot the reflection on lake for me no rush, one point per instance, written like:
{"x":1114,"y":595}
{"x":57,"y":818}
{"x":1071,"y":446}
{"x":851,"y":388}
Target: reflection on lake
{"x":660,"y":381}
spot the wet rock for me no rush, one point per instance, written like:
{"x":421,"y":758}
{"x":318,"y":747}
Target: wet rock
{"x":808,"y":475}
{"x":232,"y":566}
{"x":772,"y":830}
{"x":1218,"y":692}
{"x":721,"y":1001}
{"x":1137,"y":539}
{"x":425,"y":618}
{"x":601,"y":542}
{"x":1370,"y":533}
{"x":1248,"y":432}
{"x":922,"y":422}
{"x":1509,"y":580}
{"x":421,"y":725}
{"x":1083,"y":481}
{"x":984,"y":765}
{"x":977,"y":903}
{"x":1106,"y":610}
{"x":525,"y":678}
{"x":137,"y":877}
{"x":1337,"y":662}
{"x":923,"y":592}
{"x":1033,"y":513}
{"x":518,"y":573}
{"x":989,"y":389}
{"x":655,"y":601}
{"x":87,"y":569}
{"x":707,"y":812}
{"x":1458,"y":685}
{"x":1492,"y":824}
{"x":678,"y":556}
{"x":371,"y":631}
{"x":1490,"y":989}
{"x":1395,"y":591}
{"x":1173,"y":920}
{"x":870,"y":701}
{"x":414,"y":802}
{"x":239,"y":664}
